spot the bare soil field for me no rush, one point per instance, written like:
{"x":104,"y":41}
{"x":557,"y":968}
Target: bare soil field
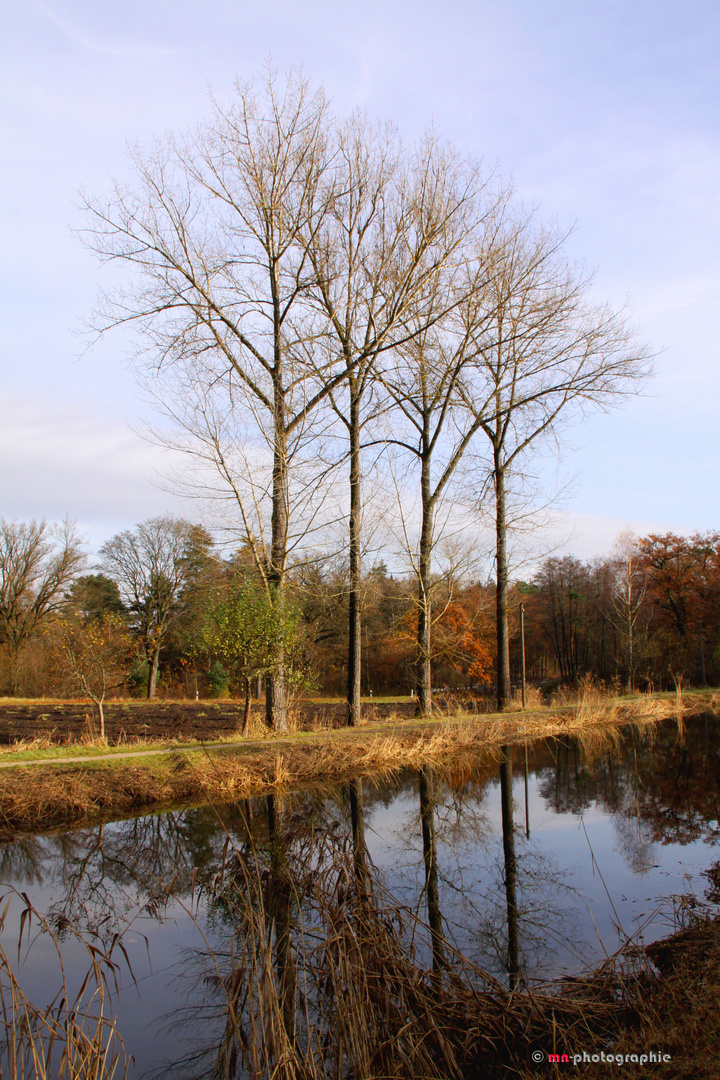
{"x":67,"y":722}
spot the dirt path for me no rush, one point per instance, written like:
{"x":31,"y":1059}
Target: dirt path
{"x":244,"y":744}
{"x":123,"y":754}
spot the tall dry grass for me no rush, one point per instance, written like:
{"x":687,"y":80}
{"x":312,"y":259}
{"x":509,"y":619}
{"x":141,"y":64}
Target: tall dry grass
{"x":39,"y":796}
{"x":325,"y":978}
{"x":72,"y":1038}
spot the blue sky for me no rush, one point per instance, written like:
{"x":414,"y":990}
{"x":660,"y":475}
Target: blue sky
{"x":605,"y":113}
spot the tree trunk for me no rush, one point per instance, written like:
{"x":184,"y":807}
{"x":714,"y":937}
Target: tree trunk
{"x":14,"y":654}
{"x":101,"y":717}
{"x":276,"y":699}
{"x":354,"y":705}
{"x":508,"y":829}
{"x":246,"y":713}
{"x":276,"y":688}
{"x":423,"y":663}
{"x":504,"y":687}
{"x":154,"y":659}
{"x":427,"y":820}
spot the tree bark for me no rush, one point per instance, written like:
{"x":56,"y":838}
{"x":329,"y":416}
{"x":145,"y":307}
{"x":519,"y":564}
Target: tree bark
{"x":154,"y":659}
{"x":423,"y":664}
{"x":354,"y":684}
{"x":504,"y":687}
{"x":246,"y":712}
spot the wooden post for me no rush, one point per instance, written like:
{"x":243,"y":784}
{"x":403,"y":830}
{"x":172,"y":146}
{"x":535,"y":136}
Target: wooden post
{"x":522,"y":649}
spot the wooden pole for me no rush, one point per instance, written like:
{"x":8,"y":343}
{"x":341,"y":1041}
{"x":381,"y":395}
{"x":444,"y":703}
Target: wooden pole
{"x":522,"y":649}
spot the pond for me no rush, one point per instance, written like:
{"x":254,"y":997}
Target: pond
{"x":600,"y":842}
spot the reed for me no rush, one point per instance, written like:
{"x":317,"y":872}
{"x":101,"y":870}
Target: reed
{"x":325,"y":978}
{"x":72,"y":1038}
{"x":39,"y":796}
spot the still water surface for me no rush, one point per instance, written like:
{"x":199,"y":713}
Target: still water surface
{"x":608,"y":843}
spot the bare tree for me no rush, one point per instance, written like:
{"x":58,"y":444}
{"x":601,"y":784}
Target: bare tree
{"x":152,"y":565}
{"x":546,"y":354}
{"x":628,"y":595}
{"x":384,"y":257}
{"x":433,"y":373}
{"x":95,"y":656}
{"x":37,"y":564}
{"x":216,"y":233}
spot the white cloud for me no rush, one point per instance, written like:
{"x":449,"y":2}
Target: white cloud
{"x":58,"y":460}
{"x":80,"y":36}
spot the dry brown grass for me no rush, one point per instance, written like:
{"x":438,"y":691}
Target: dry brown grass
{"x":40,"y":796}
{"x":350,"y":996}
{"x":670,"y":993}
{"x":72,"y":1038}
{"x":21,"y":746}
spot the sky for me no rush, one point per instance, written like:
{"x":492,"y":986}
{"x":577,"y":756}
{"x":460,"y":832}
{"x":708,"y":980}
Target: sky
{"x":605,"y":113}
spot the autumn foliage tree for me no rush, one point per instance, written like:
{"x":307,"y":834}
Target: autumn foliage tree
{"x":37,"y":565}
{"x":683,"y":581}
{"x":93,"y":656}
{"x":461,"y":643}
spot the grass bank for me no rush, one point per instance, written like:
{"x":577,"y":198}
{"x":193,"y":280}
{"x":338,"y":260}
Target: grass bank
{"x":45,"y":790}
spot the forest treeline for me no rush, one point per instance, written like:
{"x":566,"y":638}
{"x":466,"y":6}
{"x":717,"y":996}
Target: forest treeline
{"x":167,"y":612}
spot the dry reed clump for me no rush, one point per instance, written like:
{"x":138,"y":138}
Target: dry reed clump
{"x":533,"y":700}
{"x":326,"y":977}
{"x":39,"y":742}
{"x":72,"y":1038}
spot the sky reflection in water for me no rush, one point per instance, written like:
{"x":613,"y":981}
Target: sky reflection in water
{"x":612,"y":838}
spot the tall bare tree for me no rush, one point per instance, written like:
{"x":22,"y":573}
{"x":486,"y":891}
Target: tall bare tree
{"x":216,"y":232}
{"x":627,"y":598}
{"x":431,"y":376}
{"x":546,"y":354}
{"x":384,"y":259}
{"x":37,"y":565}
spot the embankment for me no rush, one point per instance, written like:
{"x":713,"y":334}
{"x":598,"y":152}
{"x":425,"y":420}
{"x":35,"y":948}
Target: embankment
{"x":52,"y":793}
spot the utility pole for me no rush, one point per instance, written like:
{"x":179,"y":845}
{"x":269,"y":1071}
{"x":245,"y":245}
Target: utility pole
{"x":702,"y":655}
{"x":522,"y":649}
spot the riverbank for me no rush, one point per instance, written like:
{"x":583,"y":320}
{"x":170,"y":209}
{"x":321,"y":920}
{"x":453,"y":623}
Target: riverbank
{"x":49,"y":786}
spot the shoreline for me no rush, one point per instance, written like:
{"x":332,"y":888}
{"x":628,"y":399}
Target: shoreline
{"x":83,"y":789}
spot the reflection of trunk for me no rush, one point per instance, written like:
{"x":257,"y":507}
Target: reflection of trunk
{"x":506,"y":801}
{"x":504,"y":690}
{"x":527,"y":797}
{"x":427,"y":810}
{"x":355,"y":795}
{"x":354,"y":616}
{"x":278,"y":899}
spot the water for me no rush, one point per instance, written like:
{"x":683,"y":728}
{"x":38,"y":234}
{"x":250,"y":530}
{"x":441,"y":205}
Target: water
{"x":620,"y":843}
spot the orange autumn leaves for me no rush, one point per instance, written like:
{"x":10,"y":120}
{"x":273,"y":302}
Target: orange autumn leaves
{"x":462,"y":634}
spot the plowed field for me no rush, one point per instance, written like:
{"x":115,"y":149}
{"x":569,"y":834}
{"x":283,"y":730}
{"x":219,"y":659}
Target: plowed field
{"x":66,"y":722}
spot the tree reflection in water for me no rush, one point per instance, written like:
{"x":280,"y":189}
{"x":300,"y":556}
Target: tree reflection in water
{"x":310,"y":961}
